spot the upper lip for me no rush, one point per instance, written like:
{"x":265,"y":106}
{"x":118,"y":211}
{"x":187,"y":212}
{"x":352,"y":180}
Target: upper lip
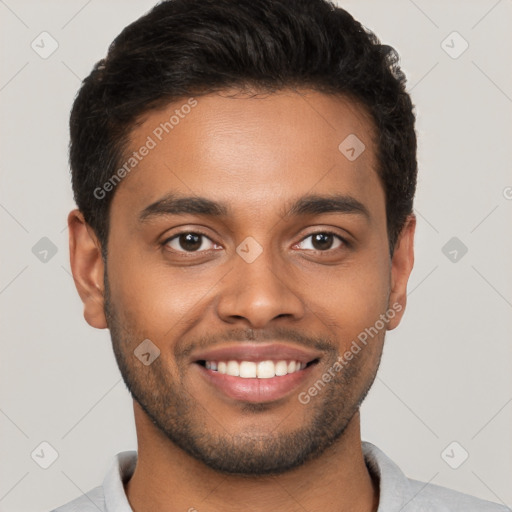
{"x":247,"y":351}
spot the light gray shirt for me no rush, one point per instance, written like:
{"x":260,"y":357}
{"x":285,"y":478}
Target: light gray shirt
{"x":397,"y":492}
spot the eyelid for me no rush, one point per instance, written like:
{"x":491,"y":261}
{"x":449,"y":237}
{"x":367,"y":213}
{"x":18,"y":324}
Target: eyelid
{"x":168,"y":239}
{"x":343,"y":239}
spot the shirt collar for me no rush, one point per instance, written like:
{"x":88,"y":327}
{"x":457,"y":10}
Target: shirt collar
{"x":120,"y":472}
{"x":394,"y":489}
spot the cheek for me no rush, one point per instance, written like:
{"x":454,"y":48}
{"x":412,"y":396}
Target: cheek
{"x":156,"y":299}
{"x":349,"y":299}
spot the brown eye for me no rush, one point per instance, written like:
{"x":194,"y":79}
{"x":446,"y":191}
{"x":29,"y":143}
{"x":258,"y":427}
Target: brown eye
{"x":190,"y":242}
{"x":322,"y":241}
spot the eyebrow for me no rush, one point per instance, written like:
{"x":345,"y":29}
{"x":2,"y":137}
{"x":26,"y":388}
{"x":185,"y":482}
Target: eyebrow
{"x":173,"y":204}
{"x":316,"y":205}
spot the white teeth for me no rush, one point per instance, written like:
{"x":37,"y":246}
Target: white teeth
{"x":251,"y":369}
{"x":281,"y":368}
{"x":266,"y":370}
{"x":233,"y":368}
{"x":247,"y":369}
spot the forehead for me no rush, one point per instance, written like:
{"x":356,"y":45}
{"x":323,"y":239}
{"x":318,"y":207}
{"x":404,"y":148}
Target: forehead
{"x":252,"y":150}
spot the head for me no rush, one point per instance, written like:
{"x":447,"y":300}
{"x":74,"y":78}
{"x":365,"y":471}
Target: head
{"x":244,"y":174}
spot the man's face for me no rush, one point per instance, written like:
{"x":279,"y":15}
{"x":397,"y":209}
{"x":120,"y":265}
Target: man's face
{"x":259,"y":273}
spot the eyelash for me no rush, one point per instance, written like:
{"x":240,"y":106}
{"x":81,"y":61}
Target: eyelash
{"x":344,"y":241}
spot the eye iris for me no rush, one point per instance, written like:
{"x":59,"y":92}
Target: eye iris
{"x":322,"y":241}
{"x":190,"y":241}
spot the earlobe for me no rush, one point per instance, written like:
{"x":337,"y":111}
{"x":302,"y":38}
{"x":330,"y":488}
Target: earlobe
{"x":401,"y":267}
{"x":87,"y":268}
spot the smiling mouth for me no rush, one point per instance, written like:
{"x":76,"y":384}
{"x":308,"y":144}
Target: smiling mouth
{"x":257,"y":369}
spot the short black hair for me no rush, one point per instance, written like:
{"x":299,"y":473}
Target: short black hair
{"x":184,"y":48}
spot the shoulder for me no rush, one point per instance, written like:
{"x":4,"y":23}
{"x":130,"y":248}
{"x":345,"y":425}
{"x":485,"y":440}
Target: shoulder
{"x":93,"y":501}
{"x":397,"y":492}
{"x":436,"y":498}
{"x":110,"y":495}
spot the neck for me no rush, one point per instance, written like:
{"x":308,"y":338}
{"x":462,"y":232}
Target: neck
{"x":168,"y":479}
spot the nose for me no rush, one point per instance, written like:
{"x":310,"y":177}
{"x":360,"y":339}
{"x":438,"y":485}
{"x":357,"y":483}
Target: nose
{"x":259,"y":292}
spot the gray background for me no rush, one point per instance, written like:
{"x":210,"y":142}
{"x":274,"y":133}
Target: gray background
{"x":447,"y":370}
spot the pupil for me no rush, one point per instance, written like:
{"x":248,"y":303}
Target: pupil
{"x":322,"y":241}
{"x":190,"y":241}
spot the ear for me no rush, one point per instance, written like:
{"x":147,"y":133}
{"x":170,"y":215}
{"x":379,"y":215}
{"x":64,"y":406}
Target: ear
{"x":401,"y":267}
{"x":87,"y":268}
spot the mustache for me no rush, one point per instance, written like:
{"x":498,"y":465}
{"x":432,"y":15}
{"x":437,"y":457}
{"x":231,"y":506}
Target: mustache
{"x":277,"y":334}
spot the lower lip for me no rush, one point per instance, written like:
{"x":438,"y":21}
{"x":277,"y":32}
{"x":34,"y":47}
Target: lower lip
{"x":253,"y":389}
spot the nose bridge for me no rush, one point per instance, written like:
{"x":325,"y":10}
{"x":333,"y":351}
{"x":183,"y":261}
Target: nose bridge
{"x":257,"y":289}
{"x":264,"y":272}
